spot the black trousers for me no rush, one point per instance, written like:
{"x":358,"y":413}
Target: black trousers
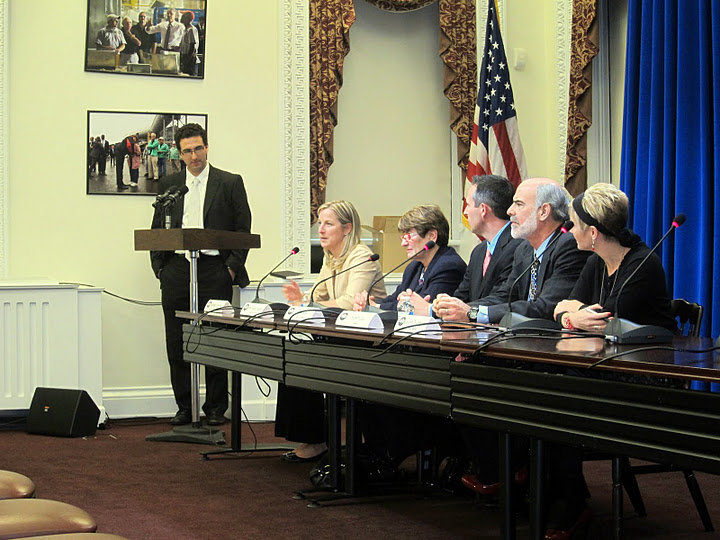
{"x":214,"y":282}
{"x":119,"y":162}
{"x":398,"y":433}
{"x":300,"y":415}
{"x":482,"y":447}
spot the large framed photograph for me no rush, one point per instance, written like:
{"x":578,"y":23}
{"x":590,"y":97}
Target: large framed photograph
{"x":128,"y":152}
{"x":146,"y":37}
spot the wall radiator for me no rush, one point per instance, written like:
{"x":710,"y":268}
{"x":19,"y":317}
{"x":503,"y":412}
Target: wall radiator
{"x":50,"y":335}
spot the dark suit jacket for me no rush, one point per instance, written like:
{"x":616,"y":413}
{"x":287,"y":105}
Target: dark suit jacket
{"x":559,"y":270}
{"x":474,"y":285}
{"x":442,"y":275}
{"x":226,"y":209}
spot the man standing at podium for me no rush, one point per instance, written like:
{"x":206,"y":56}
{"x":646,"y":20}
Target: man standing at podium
{"x":216,"y":200}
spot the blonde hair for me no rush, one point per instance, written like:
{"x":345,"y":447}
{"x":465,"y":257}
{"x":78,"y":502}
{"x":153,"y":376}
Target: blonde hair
{"x":607,"y":205}
{"x":346,"y":214}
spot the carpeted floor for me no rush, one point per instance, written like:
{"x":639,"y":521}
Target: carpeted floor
{"x":144,"y":490}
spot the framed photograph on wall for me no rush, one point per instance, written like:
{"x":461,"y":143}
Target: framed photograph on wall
{"x":146,"y":38}
{"x":119,"y":161}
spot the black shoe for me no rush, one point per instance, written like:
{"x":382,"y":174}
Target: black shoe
{"x":124,"y":186}
{"x":292,"y":457}
{"x":181,"y":418}
{"x":215,"y":419}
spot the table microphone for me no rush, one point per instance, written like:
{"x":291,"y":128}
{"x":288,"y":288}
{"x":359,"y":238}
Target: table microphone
{"x":426,"y":247}
{"x":371,"y":258}
{"x":293,"y":251}
{"x":623,"y":331}
{"x":515,"y":320}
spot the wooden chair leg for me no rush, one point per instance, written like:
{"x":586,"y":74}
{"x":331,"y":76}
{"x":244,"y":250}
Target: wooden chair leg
{"x":697,"y":496}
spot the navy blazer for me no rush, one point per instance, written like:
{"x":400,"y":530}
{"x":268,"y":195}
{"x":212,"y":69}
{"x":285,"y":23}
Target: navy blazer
{"x":225,"y":209}
{"x":474,"y":285}
{"x":443,"y":274}
{"x":559,"y":269}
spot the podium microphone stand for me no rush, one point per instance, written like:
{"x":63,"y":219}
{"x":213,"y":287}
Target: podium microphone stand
{"x":193,"y":240}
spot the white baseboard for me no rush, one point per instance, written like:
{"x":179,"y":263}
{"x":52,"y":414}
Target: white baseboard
{"x":158,"y":401}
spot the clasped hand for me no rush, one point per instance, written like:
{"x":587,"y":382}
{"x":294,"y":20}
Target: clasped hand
{"x":449,"y":308}
{"x":591,"y":318}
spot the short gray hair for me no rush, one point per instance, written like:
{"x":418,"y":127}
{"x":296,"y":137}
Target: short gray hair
{"x":557,"y":197}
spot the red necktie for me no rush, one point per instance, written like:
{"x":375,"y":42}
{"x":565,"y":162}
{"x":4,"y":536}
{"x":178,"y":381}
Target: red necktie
{"x":486,"y":261}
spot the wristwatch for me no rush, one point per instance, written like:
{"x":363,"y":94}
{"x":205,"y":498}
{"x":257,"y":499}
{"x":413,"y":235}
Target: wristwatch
{"x":473,"y":314}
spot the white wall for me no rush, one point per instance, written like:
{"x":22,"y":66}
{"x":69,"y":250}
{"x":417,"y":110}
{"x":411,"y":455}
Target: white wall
{"x":393,"y":135}
{"x":57,"y":231}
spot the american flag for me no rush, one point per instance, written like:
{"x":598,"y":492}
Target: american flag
{"x":495,"y":147}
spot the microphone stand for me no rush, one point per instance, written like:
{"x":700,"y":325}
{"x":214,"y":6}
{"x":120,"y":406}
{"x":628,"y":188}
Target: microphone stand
{"x":622,"y":331}
{"x":372,"y":258}
{"x":427,"y":247}
{"x":517,"y":321}
{"x":259,"y":300}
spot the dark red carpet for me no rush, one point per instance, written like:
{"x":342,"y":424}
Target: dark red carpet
{"x":143,"y":490}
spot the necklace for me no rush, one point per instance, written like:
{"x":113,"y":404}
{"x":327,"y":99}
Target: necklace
{"x":606,"y":277}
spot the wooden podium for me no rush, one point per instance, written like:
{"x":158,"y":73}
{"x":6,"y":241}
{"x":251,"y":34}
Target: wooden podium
{"x":193,"y":240}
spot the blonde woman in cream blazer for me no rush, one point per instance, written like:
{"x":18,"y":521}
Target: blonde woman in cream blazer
{"x":299,"y":416}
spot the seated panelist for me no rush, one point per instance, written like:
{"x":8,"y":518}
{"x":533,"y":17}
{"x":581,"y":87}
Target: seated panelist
{"x":434,"y":271}
{"x":539,"y":208}
{"x":395,"y":433}
{"x":300,"y":415}
{"x":486,"y":204}
{"x":600,"y":215}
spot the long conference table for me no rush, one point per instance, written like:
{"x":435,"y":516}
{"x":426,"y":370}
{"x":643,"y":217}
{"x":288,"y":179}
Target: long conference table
{"x":538,"y":386}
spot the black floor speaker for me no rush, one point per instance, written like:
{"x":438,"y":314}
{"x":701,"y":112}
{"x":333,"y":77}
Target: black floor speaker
{"x":62,"y":412}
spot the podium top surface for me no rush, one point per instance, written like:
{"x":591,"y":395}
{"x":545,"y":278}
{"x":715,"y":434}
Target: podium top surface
{"x":193,"y":239}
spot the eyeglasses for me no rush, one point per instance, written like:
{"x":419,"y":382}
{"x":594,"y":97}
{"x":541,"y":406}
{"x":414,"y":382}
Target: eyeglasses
{"x":407,"y":237}
{"x":190,"y":151}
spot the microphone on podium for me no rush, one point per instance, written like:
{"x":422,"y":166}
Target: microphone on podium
{"x":171,"y":196}
{"x":622,"y":331}
{"x":371,"y":258}
{"x":293,"y":251}
{"x":516,"y":320}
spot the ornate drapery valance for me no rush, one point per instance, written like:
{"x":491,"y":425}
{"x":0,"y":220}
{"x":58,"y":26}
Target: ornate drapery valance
{"x":583,"y":48}
{"x":330,"y":22}
{"x":401,"y":5}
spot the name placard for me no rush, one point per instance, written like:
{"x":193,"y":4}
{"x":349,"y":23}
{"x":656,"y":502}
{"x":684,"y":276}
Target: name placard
{"x":303,"y":314}
{"x":257,"y":310}
{"x":219,"y":306}
{"x":360,"y":319}
{"x":421,"y":325}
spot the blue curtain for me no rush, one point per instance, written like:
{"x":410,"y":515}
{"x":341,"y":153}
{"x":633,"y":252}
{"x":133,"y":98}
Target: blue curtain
{"x":671,"y":141}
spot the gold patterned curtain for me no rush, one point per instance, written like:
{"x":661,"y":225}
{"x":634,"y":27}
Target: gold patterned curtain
{"x":583,"y":48}
{"x":330,"y":22}
{"x":458,"y":49}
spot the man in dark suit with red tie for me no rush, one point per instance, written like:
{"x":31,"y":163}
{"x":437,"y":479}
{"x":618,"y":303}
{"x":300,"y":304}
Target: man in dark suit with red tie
{"x":216,"y":200}
{"x":487,"y":201}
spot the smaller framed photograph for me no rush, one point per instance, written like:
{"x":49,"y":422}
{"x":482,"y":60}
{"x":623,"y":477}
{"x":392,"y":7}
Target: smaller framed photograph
{"x":128,"y":152}
{"x":146,"y":38}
